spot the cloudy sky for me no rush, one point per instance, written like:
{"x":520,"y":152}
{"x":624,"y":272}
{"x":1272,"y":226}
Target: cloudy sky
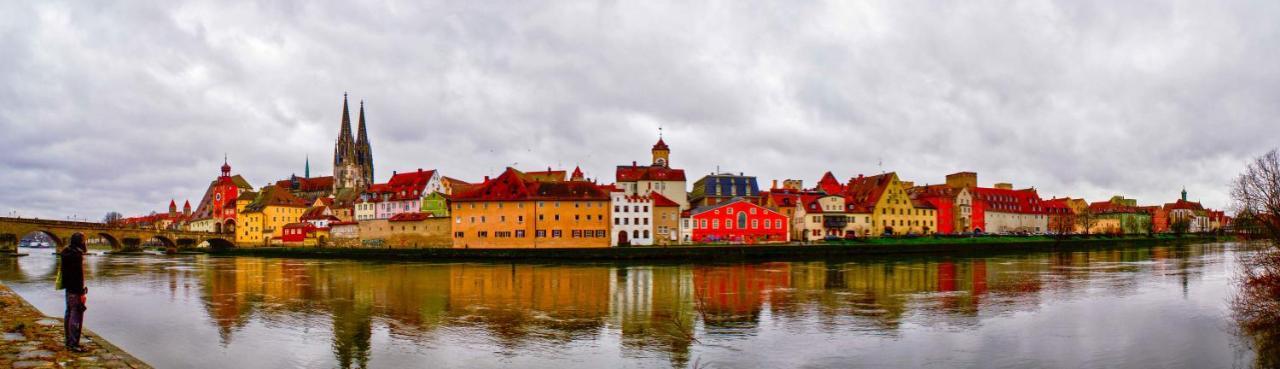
{"x":124,"y":105}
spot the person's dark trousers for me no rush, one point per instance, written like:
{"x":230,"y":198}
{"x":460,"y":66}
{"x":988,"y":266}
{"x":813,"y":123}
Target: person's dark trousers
{"x":74,"y":318}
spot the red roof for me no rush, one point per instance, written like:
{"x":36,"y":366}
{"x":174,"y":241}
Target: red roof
{"x":409,"y":217}
{"x":1107,"y":207}
{"x":315,"y":184}
{"x":409,"y":185}
{"x":932,"y":191}
{"x":862,"y":193}
{"x":660,"y":145}
{"x":662,"y":201}
{"x":1184,"y":204}
{"x":830,"y":184}
{"x":513,"y":185}
{"x":1025,"y":201}
{"x":632,"y":173}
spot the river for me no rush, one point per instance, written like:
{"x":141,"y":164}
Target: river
{"x":1163,"y":306}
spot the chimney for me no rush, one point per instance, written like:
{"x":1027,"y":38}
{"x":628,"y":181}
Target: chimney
{"x":393,"y":173}
{"x":419,"y":170}
{"x":486,"y":178}
{"x":633,"y":163}
{"x":1004,"y":186}
{"x":775,"y":184}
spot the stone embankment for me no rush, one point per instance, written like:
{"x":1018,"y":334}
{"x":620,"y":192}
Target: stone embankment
{"x":29,"y":339}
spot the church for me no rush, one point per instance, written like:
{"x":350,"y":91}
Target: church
{"x":352,"y":164}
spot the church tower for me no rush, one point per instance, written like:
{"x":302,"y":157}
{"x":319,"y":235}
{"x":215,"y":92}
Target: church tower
{"x":364,"y":153}
{"x":346,"y":165}
{"x":661,"y":154}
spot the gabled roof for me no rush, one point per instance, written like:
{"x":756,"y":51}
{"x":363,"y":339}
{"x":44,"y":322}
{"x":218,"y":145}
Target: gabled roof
{"x":933,"y":191}
{"x":1024,"y":201}
{"x":632,"y":173}
{"x":1108,"y":207}
{"x":1184,"y":205}
{"x":829,"y":184}
{"x":405,"y":186}
{"x":275,"y":196}
{"x":513,"y":185}
{"x":862,"y":193}
{"x":662,"y":201}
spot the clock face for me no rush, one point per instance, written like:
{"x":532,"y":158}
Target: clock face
{"x":217,"y":197}
{"x":661,"y":161}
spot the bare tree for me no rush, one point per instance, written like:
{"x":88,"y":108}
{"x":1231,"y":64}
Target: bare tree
{"x":1256,"y":306}
{"x":112,"y":218}
{"x":1179,"y":226}
{"x":1257,"y":193}
{"x":1087,"y":220}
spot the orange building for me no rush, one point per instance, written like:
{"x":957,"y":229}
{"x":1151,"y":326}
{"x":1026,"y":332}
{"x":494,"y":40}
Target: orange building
{"x":516,"y":210}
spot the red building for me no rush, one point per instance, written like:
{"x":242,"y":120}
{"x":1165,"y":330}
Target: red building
{"x":297,"y":232}
{"x":942,"y":198}
{"x":1159,"y":218}
{"x":219,"y":201}
{"x":739,"y":221}
{"x":1062,"y":220}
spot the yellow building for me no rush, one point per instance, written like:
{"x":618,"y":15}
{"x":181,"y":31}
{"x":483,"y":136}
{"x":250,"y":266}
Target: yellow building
{"x":515,"y":211}
{"x":261,"y":219}
{"x":892,"y":210}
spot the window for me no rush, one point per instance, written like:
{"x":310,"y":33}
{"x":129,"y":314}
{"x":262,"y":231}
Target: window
{"x":541,"y":233}
{"x":617,"y":221}
{"x":556,"y":233}
{"x":755,"y":224}
{"x":482,"y":234}
{"x":635,"y":234}
{"x":766,"y":224}
{"x":520,"y":218}
{"x":742,"y":220}
{"x":557,"y":217}
{"x":715,"y":224}
{"x":646,"y":233}
{"x":646,"y":221}
{"x":519,"y":233}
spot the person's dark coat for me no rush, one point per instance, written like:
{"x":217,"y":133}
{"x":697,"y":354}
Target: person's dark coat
{"x":73,"y":269}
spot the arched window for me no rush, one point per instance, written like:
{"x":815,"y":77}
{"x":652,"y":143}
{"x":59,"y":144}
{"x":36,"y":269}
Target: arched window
{"x":742,"y":220}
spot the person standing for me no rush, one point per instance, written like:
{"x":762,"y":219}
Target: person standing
{"x":72,"y":270}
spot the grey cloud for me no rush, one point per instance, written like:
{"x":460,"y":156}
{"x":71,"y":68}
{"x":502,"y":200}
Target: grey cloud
{"x":123,"y":105}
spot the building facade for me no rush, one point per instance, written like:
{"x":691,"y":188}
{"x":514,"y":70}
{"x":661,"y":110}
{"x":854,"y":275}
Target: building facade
{"x":716,"y":188}
{"x":513,"y":211}
{"x":739,"y":221}
{"x":632,"y":219}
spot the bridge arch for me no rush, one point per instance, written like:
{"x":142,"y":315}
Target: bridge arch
{"x":111,"y":240}
{"x":58,"y":242}
{"x":218,"y":244}
{"x":166,"y":241}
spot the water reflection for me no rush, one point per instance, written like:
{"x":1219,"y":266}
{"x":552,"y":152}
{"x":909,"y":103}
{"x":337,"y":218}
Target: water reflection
{"x":595,"y":315}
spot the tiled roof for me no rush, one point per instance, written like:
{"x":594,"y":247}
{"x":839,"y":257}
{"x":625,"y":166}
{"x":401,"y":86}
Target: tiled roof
{"x":862,"y":193}
{"x":314,"y":184}
{"x":513,"y":185}
{"x":661,"y":145}
{"x":1025,"y":201}
{"x":662,"y":201}
{"x":632,"y":173}
{"x":404,"y":186}
{"x":830,"y":184}
{"x":1184,"y":205}
{"x":932,"y":191}
{"x":544,"y":176}
{"x":1107,"y":207}
{"x":275,"y":196}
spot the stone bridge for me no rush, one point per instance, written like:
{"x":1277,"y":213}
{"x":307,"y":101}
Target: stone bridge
{"x":121,"y":238}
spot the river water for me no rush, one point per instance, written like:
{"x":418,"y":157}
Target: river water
{"x":1145,"y":307}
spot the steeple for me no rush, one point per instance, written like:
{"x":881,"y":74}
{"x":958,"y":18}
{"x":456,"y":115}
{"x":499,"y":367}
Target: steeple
{"x":226,"y":168}
{"x":307,"y":170}
{"x":173,"y":207}
{"x":364,"y":153}
{"x":345,"y":145}
{"x":1184,"y":194}
{"x":577,"y":174}
{"x":661,"y":153}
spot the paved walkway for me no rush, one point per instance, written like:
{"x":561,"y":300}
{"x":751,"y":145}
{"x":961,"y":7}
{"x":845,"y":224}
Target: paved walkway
{"x":28,"y":339}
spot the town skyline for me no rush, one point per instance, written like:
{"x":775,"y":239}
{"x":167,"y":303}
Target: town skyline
{"x":1056,"y":105}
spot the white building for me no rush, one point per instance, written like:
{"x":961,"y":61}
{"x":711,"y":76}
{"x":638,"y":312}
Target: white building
{"x":632,"y":219}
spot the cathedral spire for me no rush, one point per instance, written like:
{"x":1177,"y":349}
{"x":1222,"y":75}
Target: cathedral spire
{"x":364,"y":153}
{"x":307,"y":170}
